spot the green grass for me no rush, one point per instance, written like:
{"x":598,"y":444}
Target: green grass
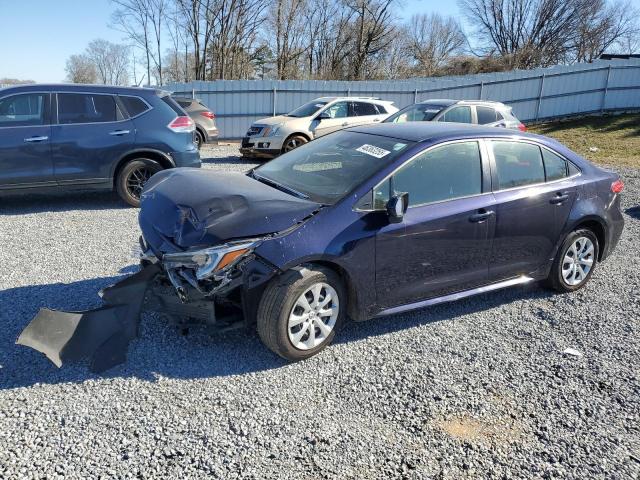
{"x":616,"y":138}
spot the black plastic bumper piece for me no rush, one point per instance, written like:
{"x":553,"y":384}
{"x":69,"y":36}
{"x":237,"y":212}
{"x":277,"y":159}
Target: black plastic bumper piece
{"x":103,"y":333}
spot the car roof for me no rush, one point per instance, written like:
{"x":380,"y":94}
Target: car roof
{"x":80,"y":87}
{"x":366,"y":99}
{"x":437,"y":131}
{"x":446,"y":102}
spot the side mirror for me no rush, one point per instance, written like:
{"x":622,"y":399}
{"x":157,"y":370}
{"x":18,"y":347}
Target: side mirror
{"x":324,"y":116}
{"x":397,"y":207}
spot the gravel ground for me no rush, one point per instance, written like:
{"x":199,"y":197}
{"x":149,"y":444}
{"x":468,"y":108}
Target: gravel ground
{"x":478,"y":388}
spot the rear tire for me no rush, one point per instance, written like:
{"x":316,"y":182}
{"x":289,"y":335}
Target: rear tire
{"x":133,"y":176}
{"x":300,"y":312}
{"x":576,"y":260}
{"x":198,"y":139}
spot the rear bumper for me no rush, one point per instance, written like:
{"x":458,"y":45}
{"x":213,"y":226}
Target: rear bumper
{"x":190,"y":158}
{"x":211,"y":135}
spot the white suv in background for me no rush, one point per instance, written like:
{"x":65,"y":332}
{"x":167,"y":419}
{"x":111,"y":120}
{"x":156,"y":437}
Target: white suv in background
{"x":272,"y":136}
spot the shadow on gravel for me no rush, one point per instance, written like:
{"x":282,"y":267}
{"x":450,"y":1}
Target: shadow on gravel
{"x":633,"y":212}
{"x":22,"y":204}
{"x":162,"y":352}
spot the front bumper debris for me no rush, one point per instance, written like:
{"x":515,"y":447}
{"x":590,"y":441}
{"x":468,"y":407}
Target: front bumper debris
{"x":102,"y":334}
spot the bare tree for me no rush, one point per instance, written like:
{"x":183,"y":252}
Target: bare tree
{"x":111,"y":61}
{"x":80,"y":69}
{"x":529,"y":32}
{"x":132,"y":18}
{"x":287,"y":27}
{"x":374,"y":32}
{"x":604,"y":27}
{"x":432,"y":40}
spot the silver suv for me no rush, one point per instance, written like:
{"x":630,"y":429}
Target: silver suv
{"x":272,"y":136}
{"x":481,"y":112}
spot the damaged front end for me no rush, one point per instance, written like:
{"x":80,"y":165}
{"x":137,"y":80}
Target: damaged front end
{"x":185,"y":287}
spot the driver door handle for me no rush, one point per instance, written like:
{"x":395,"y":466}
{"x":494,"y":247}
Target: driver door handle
{"x":481,"y":216}
{"x":119,"y":132}
{"x":345,"y":124}
{"x":36,"y":139}
{"x":559,"y":198}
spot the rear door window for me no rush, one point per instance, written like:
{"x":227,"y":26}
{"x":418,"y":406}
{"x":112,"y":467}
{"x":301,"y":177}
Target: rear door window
{"x":457,"y":114}
{"x":362,"y":109}
{"x":24,"y":109}
{"x":87,"y":108}
{"x":517,"y":164}
{"x":443,"y":173}
{"x":134,"y":105}
{"x":555,"y":166}
{"x":486,"y":115}
{"x":381,"y":109}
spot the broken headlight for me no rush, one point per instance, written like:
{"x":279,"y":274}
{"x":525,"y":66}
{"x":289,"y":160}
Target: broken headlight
{"x":209,"y":261}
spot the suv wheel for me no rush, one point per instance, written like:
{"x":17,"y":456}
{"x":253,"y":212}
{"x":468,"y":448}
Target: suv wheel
{"x":132,"y":178}
{"x":575,"y":262}
{"x":198,"y":139}
{"x":293,"y":142}
{"x":300,"y":312}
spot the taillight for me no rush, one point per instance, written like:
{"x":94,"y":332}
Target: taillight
{"x":209,"y":115}
{"x":617,"y":186}
{"x":522,"y":127}
{"x":182,"y":124}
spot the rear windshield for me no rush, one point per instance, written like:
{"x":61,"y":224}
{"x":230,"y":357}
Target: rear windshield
{"x":173,"y":104}
{"x":420,"y":112}
{"x":331,"y":166}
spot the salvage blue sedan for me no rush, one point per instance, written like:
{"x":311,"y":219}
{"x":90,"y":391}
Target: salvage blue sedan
{"x":368,"y":222}
{"x":379,"y":220}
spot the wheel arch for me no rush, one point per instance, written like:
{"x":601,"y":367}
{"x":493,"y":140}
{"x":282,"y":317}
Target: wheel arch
{"x":599,"y":228}
{"x":162,"y":158}
{"x":294,"y":134}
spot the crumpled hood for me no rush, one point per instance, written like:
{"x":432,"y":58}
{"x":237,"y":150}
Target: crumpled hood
{"x":187,"y":207}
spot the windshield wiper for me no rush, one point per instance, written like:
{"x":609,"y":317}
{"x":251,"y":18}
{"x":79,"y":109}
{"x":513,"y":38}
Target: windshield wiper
{"x":277,"y":185}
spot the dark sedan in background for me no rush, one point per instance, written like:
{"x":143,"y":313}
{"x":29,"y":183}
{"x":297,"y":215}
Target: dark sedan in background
{"x":90,"y":137}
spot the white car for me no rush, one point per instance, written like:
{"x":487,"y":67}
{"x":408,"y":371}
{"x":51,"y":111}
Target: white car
{"x":269,"y":137}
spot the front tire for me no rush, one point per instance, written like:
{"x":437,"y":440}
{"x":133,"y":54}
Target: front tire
{"x":132,"y":178}
{"x":300,"y":312}
{"x":293,"y":142}
{"x":575,"y":262}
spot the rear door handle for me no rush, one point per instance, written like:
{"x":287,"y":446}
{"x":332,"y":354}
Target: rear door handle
{"x":36,"y":139}
{"x":376,"y":119}
{"x":345,"y":124}
{"x":559,"y":198}
{"x":119,"y":132}
{"x":481,"y":216}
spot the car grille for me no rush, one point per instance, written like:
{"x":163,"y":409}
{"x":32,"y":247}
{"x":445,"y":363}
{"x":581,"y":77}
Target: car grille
{"x":254,"y":131}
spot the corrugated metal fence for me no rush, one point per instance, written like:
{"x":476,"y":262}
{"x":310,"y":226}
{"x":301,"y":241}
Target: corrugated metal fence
{"x":534,"y":94}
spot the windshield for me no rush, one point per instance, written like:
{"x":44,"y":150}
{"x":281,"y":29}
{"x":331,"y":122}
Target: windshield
{"x":420,"y":112}
{"x":307,"y":109}
{"x":327,"y":169}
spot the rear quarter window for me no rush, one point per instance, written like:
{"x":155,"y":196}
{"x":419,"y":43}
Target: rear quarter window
{"x":174,"y":105}
{"x":134,"y":105}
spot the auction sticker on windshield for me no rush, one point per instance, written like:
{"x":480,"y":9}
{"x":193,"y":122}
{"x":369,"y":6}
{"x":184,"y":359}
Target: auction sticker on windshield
{"x":373,"y":150}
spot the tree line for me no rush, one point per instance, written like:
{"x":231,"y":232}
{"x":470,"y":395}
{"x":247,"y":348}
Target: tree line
{"x":185,"y":40}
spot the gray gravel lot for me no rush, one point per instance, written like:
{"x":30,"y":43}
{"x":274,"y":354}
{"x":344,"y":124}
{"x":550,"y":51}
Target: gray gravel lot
{"x":474,"y":389}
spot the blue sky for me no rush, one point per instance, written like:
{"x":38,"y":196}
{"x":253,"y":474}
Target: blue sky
{"x":37,"y":36}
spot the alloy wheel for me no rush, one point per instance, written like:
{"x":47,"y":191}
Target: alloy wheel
{"x":137,"y":179}
{"x":313,"y":316}
{"x":578,"y":261}
{"x":292,"y":144}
